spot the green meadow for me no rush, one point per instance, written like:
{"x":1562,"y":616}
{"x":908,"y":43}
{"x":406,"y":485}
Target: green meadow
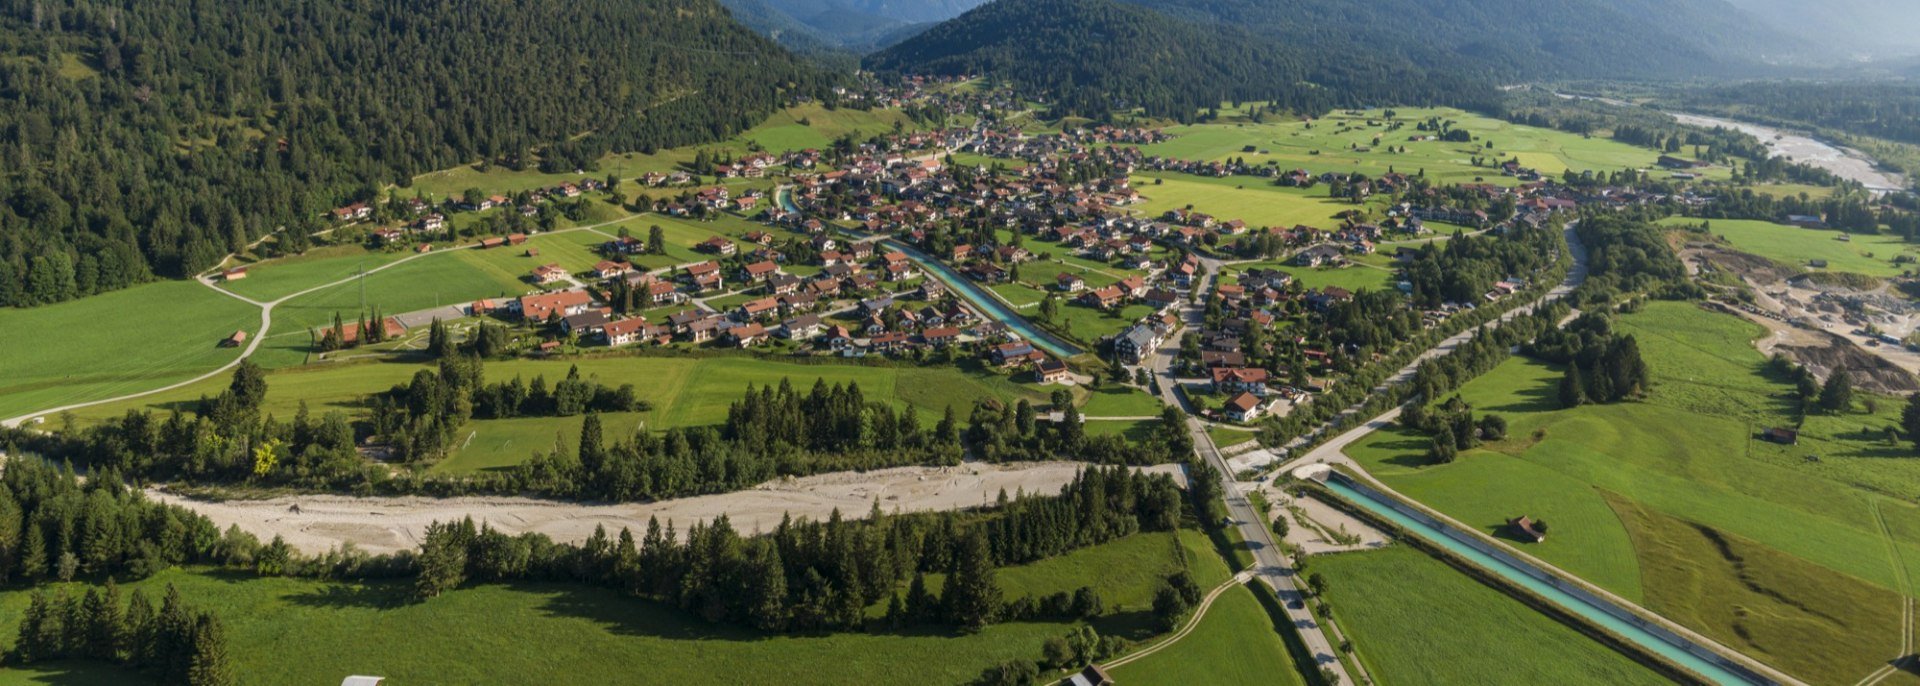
{"x":1871,"y":255}
{"x":682,"y":392}
{"x":115,"y":343}
{"x":1674,"y":502}
{"x":297,"y":631}
{"x":1237,"y":642}
{"x":1415,"y":620}
{"x":1251,"y":199}
{"x":1335,"y":142}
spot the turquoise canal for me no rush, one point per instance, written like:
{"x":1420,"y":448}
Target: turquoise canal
{"x":1619,"y":620}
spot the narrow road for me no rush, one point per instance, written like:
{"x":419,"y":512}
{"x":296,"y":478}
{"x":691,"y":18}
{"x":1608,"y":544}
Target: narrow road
{"x":266,"y":323}
{"x":1192,"y":621}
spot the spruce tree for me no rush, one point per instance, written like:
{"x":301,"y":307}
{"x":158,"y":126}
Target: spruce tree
{"x":972,"y":597}
{"x":208,"y":664}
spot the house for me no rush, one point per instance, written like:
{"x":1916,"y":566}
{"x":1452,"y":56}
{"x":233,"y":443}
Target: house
{"x":234,"y":274}
{"x":803,"y":326}
{"x":358,"y":211}
{"x":234,"y":341}
{"x":664,"y":293}
{"x":542,"y":306}
{"x":1240,"y":380}
{"x":1103,"y":298}
{"x":1780,"y":435}
{"x":706,"y":276}
{"x":940,"y":337}
{"x":747,"y":335}
{"x":625,"y":331}
{"x":760,"y":271}
{"x":1137,"y":344}
{"x":1052,"y":371}
{"x":549,"y":273}
{"x":1526,"y":529}
{"x":1133,"y":286}
{"x":1244,"y":407}
{"x":1015,"y":353}
{"x":609,"y":269}
{"x":757,"y":309}
{"x":1319,"y":255}
{"x":589,"y":322}
{"x":717,"y":246}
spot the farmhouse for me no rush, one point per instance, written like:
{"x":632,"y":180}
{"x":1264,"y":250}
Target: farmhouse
{"x":625,"y":331}
{"x":1240,"y":380}
{"x":1052,"y":371}
{"x":549,"y":273}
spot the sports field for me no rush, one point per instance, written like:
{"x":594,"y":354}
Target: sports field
{"x":115,"y":343}
{"x":293,"y":631}
{"x":1415,"y":620}
{"x":1871,"y":255}
{"x":1674,"y":502}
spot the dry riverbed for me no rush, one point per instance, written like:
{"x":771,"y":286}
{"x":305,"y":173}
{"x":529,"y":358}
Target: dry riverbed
{"x":316,"y":523}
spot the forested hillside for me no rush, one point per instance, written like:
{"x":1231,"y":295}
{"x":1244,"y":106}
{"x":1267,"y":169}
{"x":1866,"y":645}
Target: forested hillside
{"x":150,"y":137}
{"x":1093,"y":56}
{"x":1515,"y":39}
{"x":1860,"y":26}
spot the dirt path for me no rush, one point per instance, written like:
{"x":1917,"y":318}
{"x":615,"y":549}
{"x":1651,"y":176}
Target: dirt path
{"x":316,"y":523}
{"x":1193,"y":622}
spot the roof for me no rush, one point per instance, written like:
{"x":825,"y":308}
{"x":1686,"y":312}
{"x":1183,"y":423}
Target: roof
{"x":1245,"y":402}
{"x":1239,"y":374}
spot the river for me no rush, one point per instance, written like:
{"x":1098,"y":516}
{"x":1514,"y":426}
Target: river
{"x":1846,"y":163}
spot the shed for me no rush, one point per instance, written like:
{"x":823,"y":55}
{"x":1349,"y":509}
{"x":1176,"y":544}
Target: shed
{"x":1781,"y":435}
{"x":1527,"y":529}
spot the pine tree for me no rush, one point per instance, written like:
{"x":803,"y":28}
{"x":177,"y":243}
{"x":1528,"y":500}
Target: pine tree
{"x":172,"y":638}
{"x":139,"y":622}
{"x":1910,"y":419}
{"x":1837,"y":395}
{"x":1573,"y":392}
{"x":972,"y":597}
{"x":208,"y":664}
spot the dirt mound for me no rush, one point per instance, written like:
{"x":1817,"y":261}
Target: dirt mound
{"x":1870,"y":372}
{"x":1761,"y":271}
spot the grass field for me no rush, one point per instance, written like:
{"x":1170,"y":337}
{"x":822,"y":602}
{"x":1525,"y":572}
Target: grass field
{"x":1863,"y":254}
{"x":781,"y":131}
{"x":1636,"y":493}
{"x":290,"y":631}
{"x":279,"y":277}
{"x":1238,"y":642}
{"x":1254,"y":200}
{"x":683,"y":392}
{"x":120,"y":342}
{"x":1118,"y":401}
{"x":1415,"y":620}
{"x":1292,"y":144}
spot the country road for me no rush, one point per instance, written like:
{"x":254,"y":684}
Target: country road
{"x":266,"y":323}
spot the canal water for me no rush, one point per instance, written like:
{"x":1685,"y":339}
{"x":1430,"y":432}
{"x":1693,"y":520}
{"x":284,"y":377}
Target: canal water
{"x":1619,"y":620}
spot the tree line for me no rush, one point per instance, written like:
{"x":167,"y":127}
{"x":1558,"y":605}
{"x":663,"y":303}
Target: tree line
{"x":177,"y":644}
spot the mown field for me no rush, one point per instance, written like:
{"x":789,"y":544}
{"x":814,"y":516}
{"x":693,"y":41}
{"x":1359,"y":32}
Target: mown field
{"x":1322,"y":145}
{"x":1674,"y":502}
{"x":1415,"y":620}
{"x":1252,"y":199}
{"x":1871,"y":255}
{"x":121,"y":342}
{"x":292,"y":631}
{"x":682,"y":391}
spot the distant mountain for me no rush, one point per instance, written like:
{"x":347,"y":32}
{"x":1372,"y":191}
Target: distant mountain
{"x":1090,"y":56}
{"x":1521,"y":39}
{"x":1862,"y":27}
{"x":851,"y":24}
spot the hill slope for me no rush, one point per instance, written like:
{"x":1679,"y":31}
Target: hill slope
{"x":152,"y":137}
{"x":1890,"y":27}
{"x":850,"y":24}
{"x":1518,"y":39}
{"x":1091,"y":56}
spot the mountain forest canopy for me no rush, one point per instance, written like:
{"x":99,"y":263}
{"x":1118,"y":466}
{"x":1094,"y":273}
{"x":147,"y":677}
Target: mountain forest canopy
{"x":1094,"y":56}
{"x":149,"y":138}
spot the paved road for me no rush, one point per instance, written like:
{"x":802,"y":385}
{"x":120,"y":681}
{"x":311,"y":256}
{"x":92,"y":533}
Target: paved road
{"x":266,"y":323}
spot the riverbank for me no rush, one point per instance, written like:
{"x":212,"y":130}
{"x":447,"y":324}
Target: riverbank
{"x":1844,"y":162}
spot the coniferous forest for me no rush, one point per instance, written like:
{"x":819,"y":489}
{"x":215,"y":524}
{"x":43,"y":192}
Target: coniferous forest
{"x":148,"y":139}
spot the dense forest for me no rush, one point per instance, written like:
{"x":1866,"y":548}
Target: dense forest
{"x":145,"y":139}
{"x":1091,"y":57}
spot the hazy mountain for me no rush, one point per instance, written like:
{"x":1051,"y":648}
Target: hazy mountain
{"x":1859,"y":27}
{"x":851,"y":24}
